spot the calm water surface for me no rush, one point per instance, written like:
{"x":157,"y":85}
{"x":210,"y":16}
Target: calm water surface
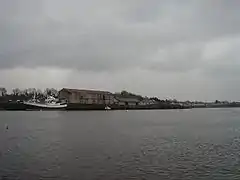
{"x":175,"y":144}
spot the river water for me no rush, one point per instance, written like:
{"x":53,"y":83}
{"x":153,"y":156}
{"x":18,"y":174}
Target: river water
{"x":172,"y":144}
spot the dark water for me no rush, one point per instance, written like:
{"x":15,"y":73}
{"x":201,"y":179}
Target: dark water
{"x":176,"y":144}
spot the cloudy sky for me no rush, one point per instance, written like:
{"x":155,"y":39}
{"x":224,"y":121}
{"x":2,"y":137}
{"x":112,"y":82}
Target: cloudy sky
{"x":184,"y":49}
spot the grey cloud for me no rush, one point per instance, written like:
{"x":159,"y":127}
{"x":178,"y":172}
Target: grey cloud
{"x":178,"y":58}
{"x":174,"y":40}
{"x":121,"y":35}
{"x":222,"y":59}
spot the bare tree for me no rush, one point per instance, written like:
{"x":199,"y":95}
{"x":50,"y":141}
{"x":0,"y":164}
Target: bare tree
{"x":31,"y":91}
{"x":47,"y":92}
{"x":51,"y":92}
{"x":3,"y":91}
{"x":16,"y":91}
{"x":54,"y":92}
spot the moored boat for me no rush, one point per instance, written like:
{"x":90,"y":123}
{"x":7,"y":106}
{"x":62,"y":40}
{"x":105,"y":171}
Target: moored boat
{"x":50,"y":104}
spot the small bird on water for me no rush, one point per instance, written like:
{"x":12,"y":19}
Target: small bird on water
{"x":6,"y":126}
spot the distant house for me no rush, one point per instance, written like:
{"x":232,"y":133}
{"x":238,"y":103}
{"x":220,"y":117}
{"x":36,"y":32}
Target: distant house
{"x":147,"y":101}
{"x":84,"y":96}
{"x":127,"y":101}
{"x":199,"y":105}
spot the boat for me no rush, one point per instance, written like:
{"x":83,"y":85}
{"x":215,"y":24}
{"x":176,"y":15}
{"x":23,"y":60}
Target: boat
{"x":50,"y":103}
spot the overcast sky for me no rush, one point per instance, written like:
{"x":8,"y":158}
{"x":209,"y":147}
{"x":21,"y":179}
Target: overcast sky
{"x":184,"y":49}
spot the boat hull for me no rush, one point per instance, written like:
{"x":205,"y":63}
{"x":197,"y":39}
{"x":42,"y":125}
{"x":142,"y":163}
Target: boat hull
{"x":33,"y":106}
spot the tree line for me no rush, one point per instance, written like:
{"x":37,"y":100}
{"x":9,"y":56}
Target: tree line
{"x":29,"y":92}
{"x":127,"y":94}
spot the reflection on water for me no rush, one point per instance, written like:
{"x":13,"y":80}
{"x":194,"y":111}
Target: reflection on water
{"x":193,"y":144}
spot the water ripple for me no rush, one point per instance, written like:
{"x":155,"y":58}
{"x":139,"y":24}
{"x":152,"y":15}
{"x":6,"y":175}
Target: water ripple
{"x":93,"y":145}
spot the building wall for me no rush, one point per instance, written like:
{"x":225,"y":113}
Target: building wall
{"x":85,"y":97}
{"x":95,"y":97}
{"x":63,"y":95}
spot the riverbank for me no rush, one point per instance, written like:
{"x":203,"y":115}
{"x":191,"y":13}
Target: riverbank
{"x":18,"y":106}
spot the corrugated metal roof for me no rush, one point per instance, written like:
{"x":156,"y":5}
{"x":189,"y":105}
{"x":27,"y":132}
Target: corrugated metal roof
{"x":85,"y":91}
